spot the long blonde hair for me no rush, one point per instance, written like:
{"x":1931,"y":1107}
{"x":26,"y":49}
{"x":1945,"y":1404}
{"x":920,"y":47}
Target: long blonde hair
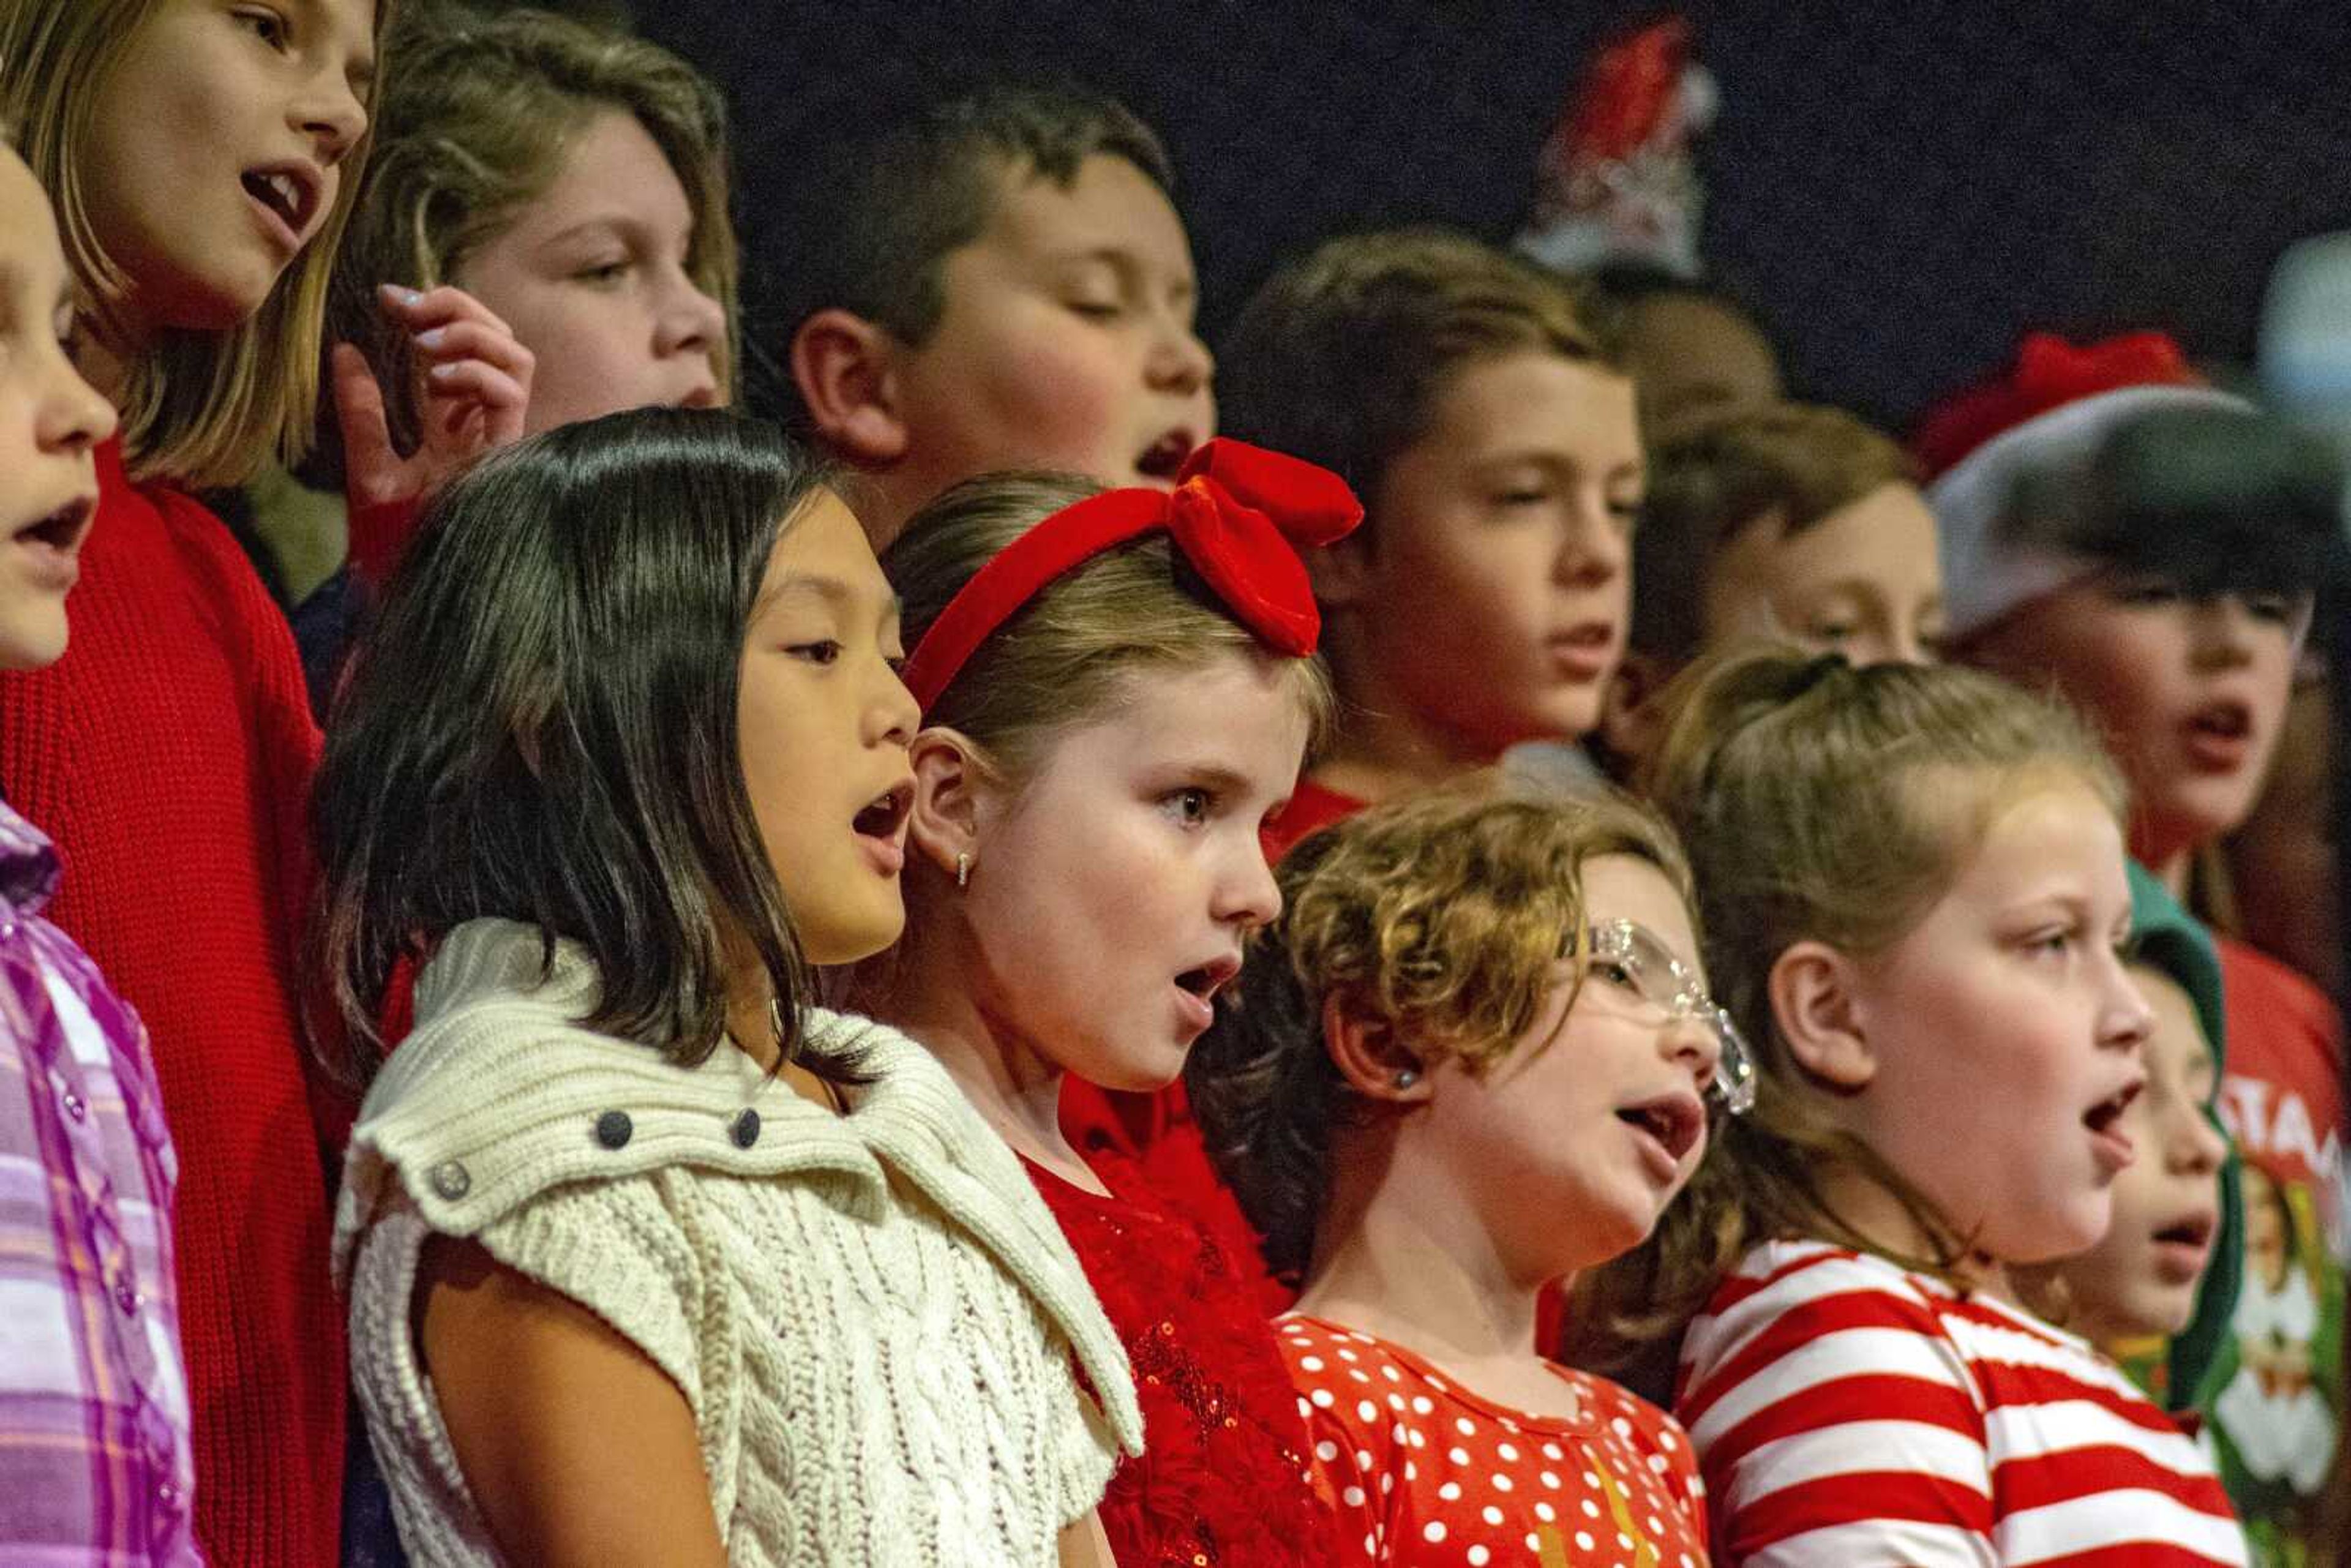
{"x":202,"y":409}
{"x":1826,"y":803}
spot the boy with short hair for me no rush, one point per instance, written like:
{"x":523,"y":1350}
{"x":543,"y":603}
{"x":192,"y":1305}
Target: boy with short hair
{"x":990,"y":276}
{"x":1792,"y":522}
{"x":1477,"y":409}
{"x":95,"y":1462}
{"x":2150,"y":546}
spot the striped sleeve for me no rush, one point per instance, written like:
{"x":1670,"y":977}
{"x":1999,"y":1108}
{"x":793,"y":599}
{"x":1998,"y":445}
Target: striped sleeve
{"x":1835,"y":1421}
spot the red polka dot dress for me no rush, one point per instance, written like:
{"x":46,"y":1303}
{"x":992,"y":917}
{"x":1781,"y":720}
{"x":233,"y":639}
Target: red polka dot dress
{"x":1425,"y":1474}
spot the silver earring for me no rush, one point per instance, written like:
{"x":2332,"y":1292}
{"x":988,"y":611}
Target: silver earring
{"x":1406,"y":1078}
{"x":962,"y":871}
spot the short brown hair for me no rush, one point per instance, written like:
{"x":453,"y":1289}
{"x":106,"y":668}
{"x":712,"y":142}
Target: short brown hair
{"x":870,"y":215}
{"x":202,"y":409}
{"x":1340,"y":356}
{"x":474,"y":128}
{"x":1791,"y":464}
{"x":1439,"y":915}
{"x":1827,"y":803}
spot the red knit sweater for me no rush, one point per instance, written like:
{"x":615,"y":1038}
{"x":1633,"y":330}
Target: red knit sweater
{"x":168,"y":754}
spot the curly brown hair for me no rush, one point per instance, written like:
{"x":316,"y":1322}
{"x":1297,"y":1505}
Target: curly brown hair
{"x":1438,"y":917}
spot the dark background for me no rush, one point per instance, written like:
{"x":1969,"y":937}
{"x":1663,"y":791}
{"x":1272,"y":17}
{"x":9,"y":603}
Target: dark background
{"x":1901,"y":189}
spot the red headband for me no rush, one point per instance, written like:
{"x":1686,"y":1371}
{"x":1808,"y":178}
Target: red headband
{"x":1239,"y":514}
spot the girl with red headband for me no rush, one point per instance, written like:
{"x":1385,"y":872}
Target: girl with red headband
{"x":1119,"y":691}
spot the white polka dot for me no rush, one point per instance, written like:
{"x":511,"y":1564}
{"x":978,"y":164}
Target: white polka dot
{"x":1450,"y":1491}
{"x":1491,"y":1514}
{"x":1583,"y":1543}
{"x":1395,"y":1403}
{"x":1390,"y":1374}
{"x":1371,"y":1547}
{"x":1433,"y":1532}
{"x":1551,"y":1451}
{"x":1479,"y":1557}
{"x":1411,"y":1470}
{"x":1305,"y":1411}
{"x":1400,"y":1432}
{"x":1550,"y":1479}
{"x":1438,"y":1383}
{"x":1356,"y":1375}
{"x":1420,"y":1405}
{"x":1366,"y":1411}
{"x":1656,"y":1527}
{"x":1321,"y":1398}
{"x":1622,"y":1428}
{"x":1624,"y":1540}
{"x":1591,"y":1509}
{"x":1547,"y":1513}
{"x":1666,"y":1440}
{"x":1533,"y":1544}
{"x":1502,"y":1482}
{"x":1387,"y":1484}
{"x":1311,"y":1363}
{"x":1416,"y":1439}
{"x":1353,"y":1496}
{"x":1326,"y":1450}
{"x":1465,"y":1426}
{"x":1510,"y":1455}
{"x":1363,"y":1459}
{"x":1657,"y":1463}
{"x":1459,"y":1455}
{"x":1346,"y":1355}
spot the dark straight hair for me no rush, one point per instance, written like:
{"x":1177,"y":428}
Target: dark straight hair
{"x":542,"y":727}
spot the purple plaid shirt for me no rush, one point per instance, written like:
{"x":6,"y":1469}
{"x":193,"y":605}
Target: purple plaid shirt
{"x":94,"y":1459}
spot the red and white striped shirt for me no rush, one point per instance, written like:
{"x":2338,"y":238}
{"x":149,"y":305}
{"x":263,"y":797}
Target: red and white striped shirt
{"x":1848,"y":1411}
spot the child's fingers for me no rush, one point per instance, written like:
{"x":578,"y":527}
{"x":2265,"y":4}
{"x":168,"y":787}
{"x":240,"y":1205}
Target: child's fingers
{"x":437,"y":308}
{"x":497,"y":392}
{"x":367,"y":454}
{"x":476,"y":340}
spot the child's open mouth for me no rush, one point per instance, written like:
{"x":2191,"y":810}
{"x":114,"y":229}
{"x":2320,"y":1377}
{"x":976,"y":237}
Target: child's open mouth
{"x":1164,"y":458}
{"x":2115,"y":1150}
{"x":1675,"y":1122}
{"x":289,"y":194}
{"x":880,"y":828}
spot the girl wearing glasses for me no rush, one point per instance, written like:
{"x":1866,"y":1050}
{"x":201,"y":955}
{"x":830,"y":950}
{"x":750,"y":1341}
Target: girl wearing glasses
{"x":1472,"y":1057}
{"x":1914,"y":884}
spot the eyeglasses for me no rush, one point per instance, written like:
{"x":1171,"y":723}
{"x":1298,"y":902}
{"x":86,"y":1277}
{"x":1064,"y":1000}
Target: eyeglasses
{"x":1635,"y":957}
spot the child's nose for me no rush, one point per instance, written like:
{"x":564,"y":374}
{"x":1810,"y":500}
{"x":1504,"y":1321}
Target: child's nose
{"x":1691,"y":1044}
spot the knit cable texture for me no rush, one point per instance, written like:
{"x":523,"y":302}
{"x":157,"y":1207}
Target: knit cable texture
{"x":875,"y":1321}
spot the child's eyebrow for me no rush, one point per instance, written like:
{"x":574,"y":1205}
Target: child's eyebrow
{"x":833,"y":590}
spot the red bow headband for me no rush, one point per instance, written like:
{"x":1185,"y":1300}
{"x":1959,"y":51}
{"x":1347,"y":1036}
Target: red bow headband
{"x":1238,"y":513}
{"x":2048,"y":373}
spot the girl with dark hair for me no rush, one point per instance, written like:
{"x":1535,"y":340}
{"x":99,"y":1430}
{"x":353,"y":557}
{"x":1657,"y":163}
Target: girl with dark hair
{"x":1472,"y":1057}
{"x":650,"y":1257}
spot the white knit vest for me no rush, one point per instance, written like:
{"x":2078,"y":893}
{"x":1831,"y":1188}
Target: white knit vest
{"x":873,"y":1318}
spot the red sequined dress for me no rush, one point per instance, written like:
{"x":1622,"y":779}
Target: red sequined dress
{"x":1222,"y":1483}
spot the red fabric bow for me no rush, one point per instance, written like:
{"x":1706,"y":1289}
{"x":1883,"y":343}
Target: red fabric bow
{"x":2050,"y":372}
{"x":1238,"y":513}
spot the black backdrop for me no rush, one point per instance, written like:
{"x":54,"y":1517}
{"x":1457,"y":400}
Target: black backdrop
{"x":1902,"y":188}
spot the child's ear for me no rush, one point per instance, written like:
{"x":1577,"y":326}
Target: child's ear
{"x":952,"y":787}
{"x":1340,"y":572}
{"x":1813,"y":1006}
{"x":1368,"y":1058}
{"x":1630,"y":716}
{"x":842,"y":365}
